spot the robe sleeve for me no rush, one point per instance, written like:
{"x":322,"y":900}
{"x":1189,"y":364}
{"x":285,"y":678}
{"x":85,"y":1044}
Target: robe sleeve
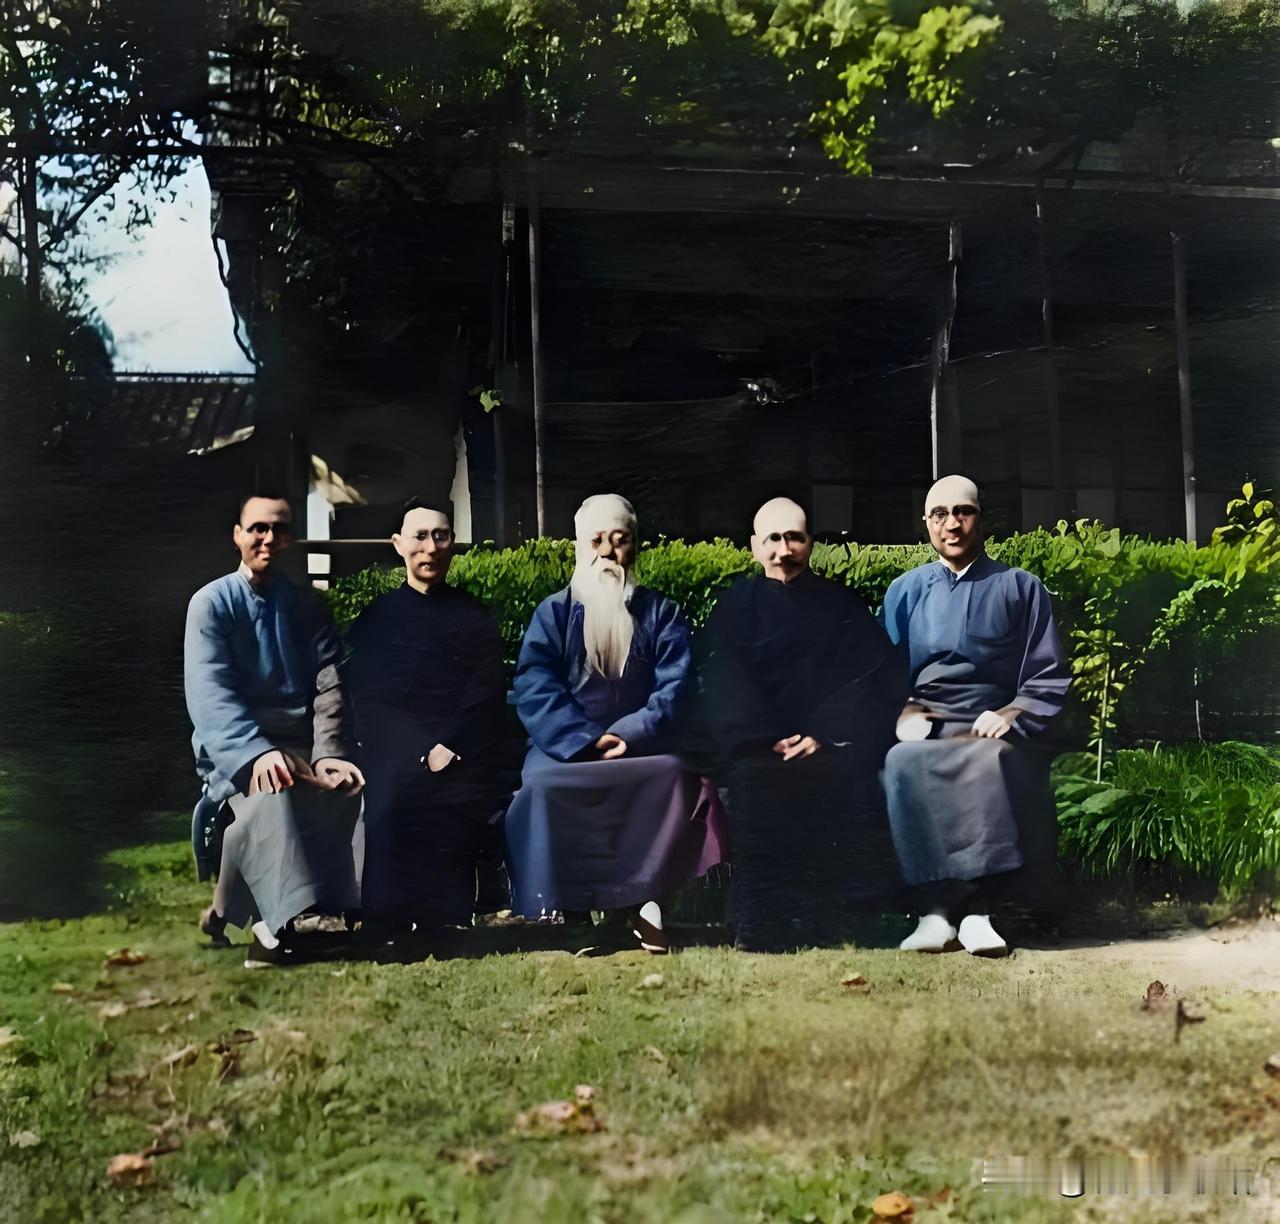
{"x":556,"y":723}
{"x":735,"y":707}
{"x":896,"y":611}
{"x":223,"y":722}
{"x":672,"y":664}
{"x":1045,"y":674}
{"x":868,"y":675}
{"x":476,"y":725}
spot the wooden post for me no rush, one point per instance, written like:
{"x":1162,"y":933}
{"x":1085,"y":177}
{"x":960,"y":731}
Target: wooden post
{"x":1050,"y":361}
{"x":944,"y":417}
{"x":1184,"y":385}
{"x":535,"y":335}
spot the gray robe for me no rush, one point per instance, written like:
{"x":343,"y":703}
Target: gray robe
{"x":963,"y":807}
{"x":260,"y":672}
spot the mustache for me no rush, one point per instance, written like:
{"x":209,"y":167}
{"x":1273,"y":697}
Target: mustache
{"x":612,"y":568}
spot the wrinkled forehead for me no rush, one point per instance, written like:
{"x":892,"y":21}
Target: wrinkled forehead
{"x":778,"y":515}
{"x":265,"y":510}
{"x":952,"y":491}
{"x":420,"y":518}
{"x":603,"y":514}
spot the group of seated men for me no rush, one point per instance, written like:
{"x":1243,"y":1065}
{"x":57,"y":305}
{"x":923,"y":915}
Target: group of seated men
{"x":836,"y":763}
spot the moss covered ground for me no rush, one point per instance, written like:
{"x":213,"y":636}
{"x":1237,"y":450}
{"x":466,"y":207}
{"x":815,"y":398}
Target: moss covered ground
{"x":732,"y":1087}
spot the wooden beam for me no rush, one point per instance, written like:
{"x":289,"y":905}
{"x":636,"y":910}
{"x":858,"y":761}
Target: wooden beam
{"x":944,"y":414}
{"x":535,"y":336}
{"x":1050,"y":359}
{"x":1184,"y":385}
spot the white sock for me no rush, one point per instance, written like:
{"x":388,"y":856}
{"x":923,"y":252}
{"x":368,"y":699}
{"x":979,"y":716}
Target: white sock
{"x":651,"y":912}
{"x":262,"y":933}
{"x":978,"y":936}
{"x":932,"y":934}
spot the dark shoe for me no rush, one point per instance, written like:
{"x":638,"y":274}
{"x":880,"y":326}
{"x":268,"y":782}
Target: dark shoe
{"x":261,"y":957}
{"x":214,"y":926}
{"x":652,"y":939}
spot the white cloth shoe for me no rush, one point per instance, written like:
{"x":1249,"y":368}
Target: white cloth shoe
{"x":980,"y":938}
{"x":932,"y":934}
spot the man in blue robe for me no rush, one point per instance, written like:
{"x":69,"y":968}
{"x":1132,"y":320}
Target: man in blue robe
{"x":968,"y":783}
{"x":264,"y":695}
{"x":429,"y":698}
{"x":801,"y":689}
{"x":606,"y":816}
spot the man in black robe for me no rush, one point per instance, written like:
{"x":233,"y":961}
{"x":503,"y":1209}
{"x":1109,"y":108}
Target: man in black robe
{"x":427,"y":689}
{"x":801,"y":688}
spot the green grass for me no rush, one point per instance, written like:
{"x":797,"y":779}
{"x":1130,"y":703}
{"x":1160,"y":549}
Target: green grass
{"x":1207,"y":811}
{"x":741,"y":1088}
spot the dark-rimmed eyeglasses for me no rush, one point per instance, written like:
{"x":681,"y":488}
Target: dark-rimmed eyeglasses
{"x":791,"y":537}
{"x":940,"y":514}
{"x":261,"y":529}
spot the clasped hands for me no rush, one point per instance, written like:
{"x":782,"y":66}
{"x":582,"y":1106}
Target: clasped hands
{"x":793,"y":747}
{"x":278,"y":770}
{"x":990,"y":724}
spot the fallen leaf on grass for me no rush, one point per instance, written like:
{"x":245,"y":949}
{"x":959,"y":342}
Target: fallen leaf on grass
{"x":162,"y":1145}
{"x":65,"y":988}
{"x":24,"y":1139}
{"x":119,"y":1007}
{"x":8,"y":1037}
{"x":576,"y":1117}
{"x":130,"y":1169}
{"x":854,"y":980}
{"x":124,"y":957}
{"x":475,"y":1162}
{"x":893,"y":1206}
{"x":109,"y":1011}
{"x":656,"y":1054}
{"x":1272,"y":1065}
{"x":652,"y":981}
{"x":180,"y":1058}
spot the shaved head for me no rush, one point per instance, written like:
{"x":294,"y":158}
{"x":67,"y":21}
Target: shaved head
{"x":780,"y":539}
{"x":952,"y":491}
{"x":779,"y":514}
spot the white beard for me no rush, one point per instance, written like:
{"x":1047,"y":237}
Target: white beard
{"x":603,"y":589}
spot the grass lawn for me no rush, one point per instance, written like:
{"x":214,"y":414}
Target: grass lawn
{"x":733,"y":1087}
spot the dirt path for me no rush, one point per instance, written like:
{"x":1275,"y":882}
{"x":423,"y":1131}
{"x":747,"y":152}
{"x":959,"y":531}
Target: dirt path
{"x":1243,"y":956}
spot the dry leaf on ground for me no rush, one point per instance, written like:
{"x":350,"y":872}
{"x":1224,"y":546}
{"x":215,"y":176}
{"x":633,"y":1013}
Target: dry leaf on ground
{"x":8,"y":1036}
{"x":893,"y":1206}
{"x":125,"y":957}
{"x":652,"y":981}
{"x":1272,"y":1065}
{"x":24,"y":1139}
{"x":130,"y":1169}
{"x":656,"y":1054}
{"x":576,"y":1117}
{"x":109,"y":1011}
{"x":65,"y":988}
{"x":855,"y":979}
{"x":1155,"y":996}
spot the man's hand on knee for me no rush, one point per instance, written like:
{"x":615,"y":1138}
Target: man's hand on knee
{"x":277,"y":771}
{"x":611,"y":746}
{"x":333,"y":773}
{"x":995,"y":724}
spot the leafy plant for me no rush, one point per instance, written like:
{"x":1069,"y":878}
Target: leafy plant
{"x":1206,"y":811}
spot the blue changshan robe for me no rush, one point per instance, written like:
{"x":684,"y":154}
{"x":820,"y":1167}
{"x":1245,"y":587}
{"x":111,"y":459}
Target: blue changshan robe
{"x":963,"y":807}
{"x":593,"y":834}
{"x":260,"y":672}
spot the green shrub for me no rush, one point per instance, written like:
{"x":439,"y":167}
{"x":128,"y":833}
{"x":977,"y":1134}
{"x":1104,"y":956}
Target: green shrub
{"x":1208,"y":811}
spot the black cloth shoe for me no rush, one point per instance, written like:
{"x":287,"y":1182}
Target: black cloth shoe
{"x":261,"y":957}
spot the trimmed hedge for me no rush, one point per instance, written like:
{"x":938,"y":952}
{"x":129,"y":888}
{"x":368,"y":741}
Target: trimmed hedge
{"x":1158,"y":617}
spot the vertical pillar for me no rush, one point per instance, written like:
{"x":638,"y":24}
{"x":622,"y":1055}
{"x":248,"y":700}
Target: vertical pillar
{"x":944,"y":413}
{"x":1050,"y":359}
{"x":1184,"y":385}
{"x":535,"y":336}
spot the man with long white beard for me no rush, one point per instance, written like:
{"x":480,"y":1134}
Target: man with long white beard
{"x":606,"y":816}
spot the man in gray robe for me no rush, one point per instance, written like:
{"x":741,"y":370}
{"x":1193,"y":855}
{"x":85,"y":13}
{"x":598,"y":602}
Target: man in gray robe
{"x":968,"y":783}
{"x":263,"y":693}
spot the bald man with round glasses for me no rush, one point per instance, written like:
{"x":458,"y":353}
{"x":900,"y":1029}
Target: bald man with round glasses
{"x":968,"y":782}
